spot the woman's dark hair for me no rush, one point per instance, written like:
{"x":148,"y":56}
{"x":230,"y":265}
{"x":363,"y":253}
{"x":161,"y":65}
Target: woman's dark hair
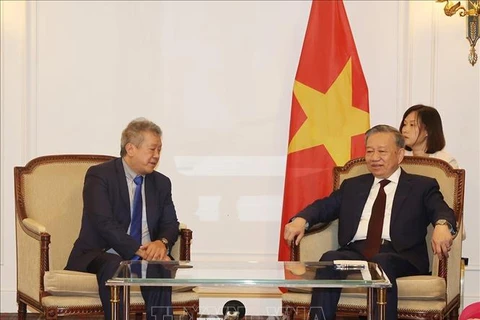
{"x":428,"y":119}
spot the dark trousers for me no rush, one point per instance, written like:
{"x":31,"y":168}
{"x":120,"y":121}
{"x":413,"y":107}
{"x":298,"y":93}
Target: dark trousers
{"x":324,"y":300}
{"x":158,"y":300}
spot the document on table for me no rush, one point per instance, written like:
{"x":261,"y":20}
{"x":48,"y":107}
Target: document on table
{"x":360,"y":265}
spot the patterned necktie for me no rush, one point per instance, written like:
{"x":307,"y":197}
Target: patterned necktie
{"x":136,"y":224}
{"x":375,"y":225}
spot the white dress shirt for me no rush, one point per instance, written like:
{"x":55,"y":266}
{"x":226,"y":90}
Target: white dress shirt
{"x":367,"y":210}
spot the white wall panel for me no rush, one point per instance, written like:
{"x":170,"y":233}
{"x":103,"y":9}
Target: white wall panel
{"x":12,"y":135}
{"x":457,"y":99}
{"x":422,"y":57}
{"x":378,"y":41}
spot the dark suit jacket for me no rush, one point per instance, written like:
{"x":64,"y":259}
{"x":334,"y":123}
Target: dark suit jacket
{"x":106,"y":214}
{"x":417,"y":203}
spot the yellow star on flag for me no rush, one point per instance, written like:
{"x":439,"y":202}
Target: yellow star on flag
{"x":331,"y":118}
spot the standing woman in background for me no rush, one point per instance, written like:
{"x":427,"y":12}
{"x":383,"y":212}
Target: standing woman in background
{"x":422,"y":128}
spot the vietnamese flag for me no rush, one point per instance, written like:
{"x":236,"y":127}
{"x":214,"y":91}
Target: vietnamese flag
{"x":329,"y":113}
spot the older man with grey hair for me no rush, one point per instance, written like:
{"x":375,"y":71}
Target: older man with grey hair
{"x":128,"y":214}
{"x":383,"y":217}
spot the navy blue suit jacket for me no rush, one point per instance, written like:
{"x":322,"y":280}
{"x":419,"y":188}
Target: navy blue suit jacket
{"x":106,"y":214}
{"x":417,"y":203}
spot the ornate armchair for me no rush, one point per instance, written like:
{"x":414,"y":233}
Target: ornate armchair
{"x":435,"y":296}
{"x":48,"y":205}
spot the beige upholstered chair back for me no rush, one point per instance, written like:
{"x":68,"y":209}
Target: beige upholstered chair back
{"x":49,"y":191}
{"x":451,"y":185}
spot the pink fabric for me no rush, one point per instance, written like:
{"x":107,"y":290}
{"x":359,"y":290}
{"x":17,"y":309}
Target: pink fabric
{"x":471,"y":312}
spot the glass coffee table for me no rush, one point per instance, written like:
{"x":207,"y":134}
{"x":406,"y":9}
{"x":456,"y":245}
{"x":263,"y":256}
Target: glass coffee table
{"x":291,"y":274}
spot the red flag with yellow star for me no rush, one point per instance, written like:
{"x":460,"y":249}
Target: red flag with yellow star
{"x":329,"y":110}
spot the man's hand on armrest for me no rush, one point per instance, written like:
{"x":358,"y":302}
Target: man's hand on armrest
{"x":296,"y":228}
{"x":442,"y":240}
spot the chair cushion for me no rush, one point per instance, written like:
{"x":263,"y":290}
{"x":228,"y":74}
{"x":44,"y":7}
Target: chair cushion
{"x":404,"y":305}
{"x":412,"y":288}
{"x":70,"y":283}
{"x":422,"y":288}
{"x":178,"y":299}
{"x":74,"y":283}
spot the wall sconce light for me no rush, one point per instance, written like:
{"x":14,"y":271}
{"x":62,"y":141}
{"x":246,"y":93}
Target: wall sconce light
{"x":472,"y":14}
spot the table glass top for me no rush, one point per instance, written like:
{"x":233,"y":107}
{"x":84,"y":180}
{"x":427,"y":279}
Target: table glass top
{"x":250,"y":273}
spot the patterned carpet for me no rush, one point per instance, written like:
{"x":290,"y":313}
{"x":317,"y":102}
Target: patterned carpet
{"x":33,"y":316}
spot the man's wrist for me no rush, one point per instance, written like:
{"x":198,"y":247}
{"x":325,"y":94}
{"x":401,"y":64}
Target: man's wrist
{"x":443,"y":222}
{"x":306,"y":222}
{"x":166,"y":244}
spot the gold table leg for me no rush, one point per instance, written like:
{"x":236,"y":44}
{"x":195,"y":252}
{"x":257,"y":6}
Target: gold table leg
{"x":370,"y":304}
{"x":381,"y":302}
{"x":114,"y":301}
{"x":126,"y":303}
